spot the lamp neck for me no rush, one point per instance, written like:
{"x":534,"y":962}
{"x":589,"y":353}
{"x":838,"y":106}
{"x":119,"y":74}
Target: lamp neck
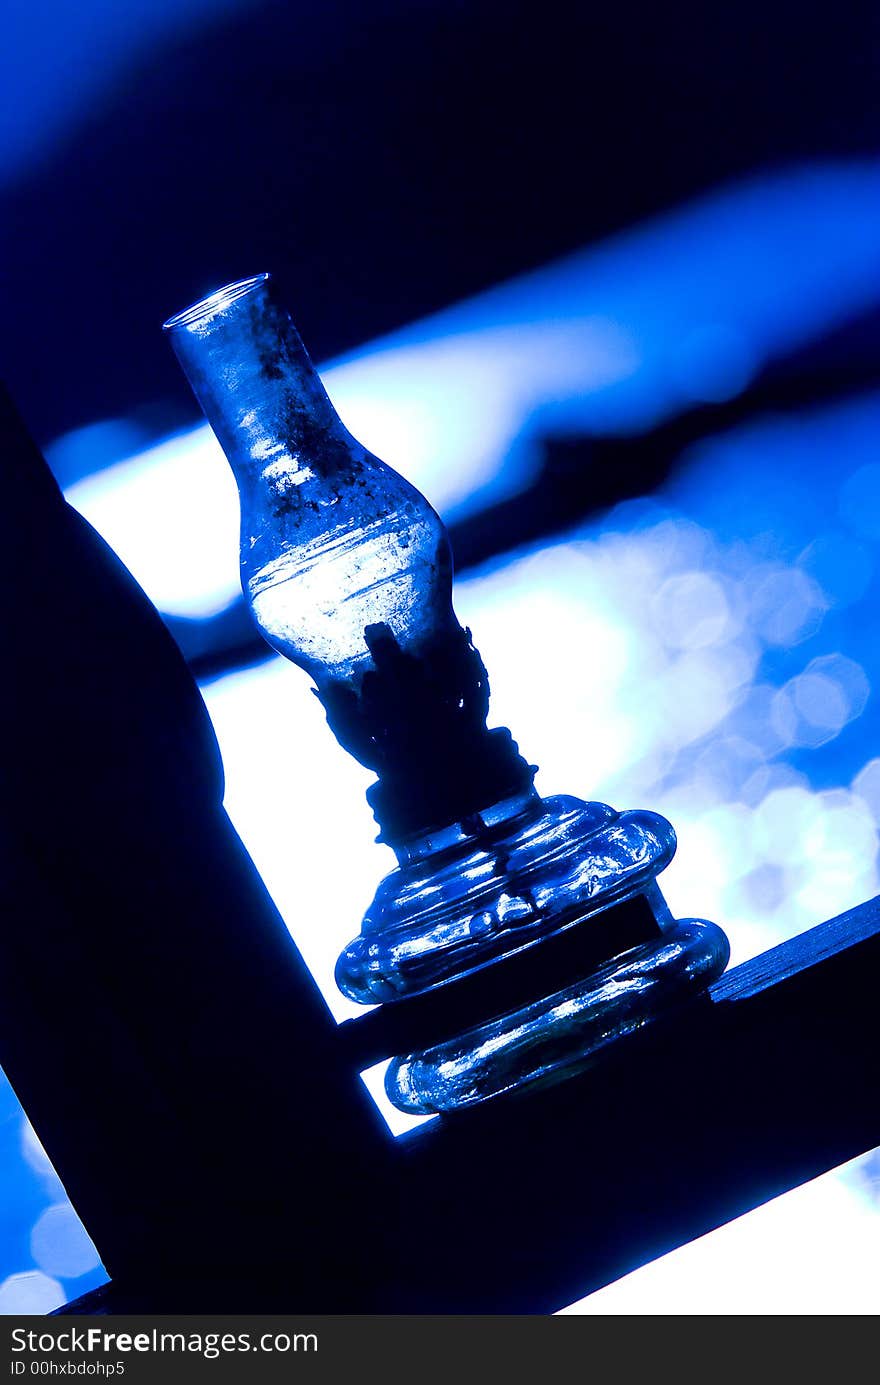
{"x":257,"y":385}
{"x":419,"y":721}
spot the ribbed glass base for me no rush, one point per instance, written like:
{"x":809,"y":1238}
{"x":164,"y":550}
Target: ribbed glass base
{"x":483,"y":889}
{"x":483,"y":906}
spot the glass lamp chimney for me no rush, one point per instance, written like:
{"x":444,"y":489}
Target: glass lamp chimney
{"x":346,"y":567}
{"x":528,"y":933}
{"x":333,"y":541}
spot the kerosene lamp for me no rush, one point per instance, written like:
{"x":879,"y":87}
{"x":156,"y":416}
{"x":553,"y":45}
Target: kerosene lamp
{"x":544,"y":915}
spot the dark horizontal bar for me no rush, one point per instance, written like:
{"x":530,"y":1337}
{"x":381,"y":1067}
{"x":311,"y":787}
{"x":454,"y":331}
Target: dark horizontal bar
{"x":534,"y":971}
{"x":772,"y":1080}
{"x":799,"y":954}
{"x":532,"y":1202}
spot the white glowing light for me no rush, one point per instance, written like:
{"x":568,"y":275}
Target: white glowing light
{"x":171,"y":514}
{"x":298,"y":804}
{"x":763,"y":1263}
{"x":61,"y":1245}
{"x":783,"y":823}
{"x":691,"y":610}
{"x":30,"y":1293}
{"x":867,"y":785}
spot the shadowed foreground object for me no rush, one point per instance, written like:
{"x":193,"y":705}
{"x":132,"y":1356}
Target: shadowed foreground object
{"x":348,"y":573}
{"x":207,"y":1119}
{"x":127,"y":898}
